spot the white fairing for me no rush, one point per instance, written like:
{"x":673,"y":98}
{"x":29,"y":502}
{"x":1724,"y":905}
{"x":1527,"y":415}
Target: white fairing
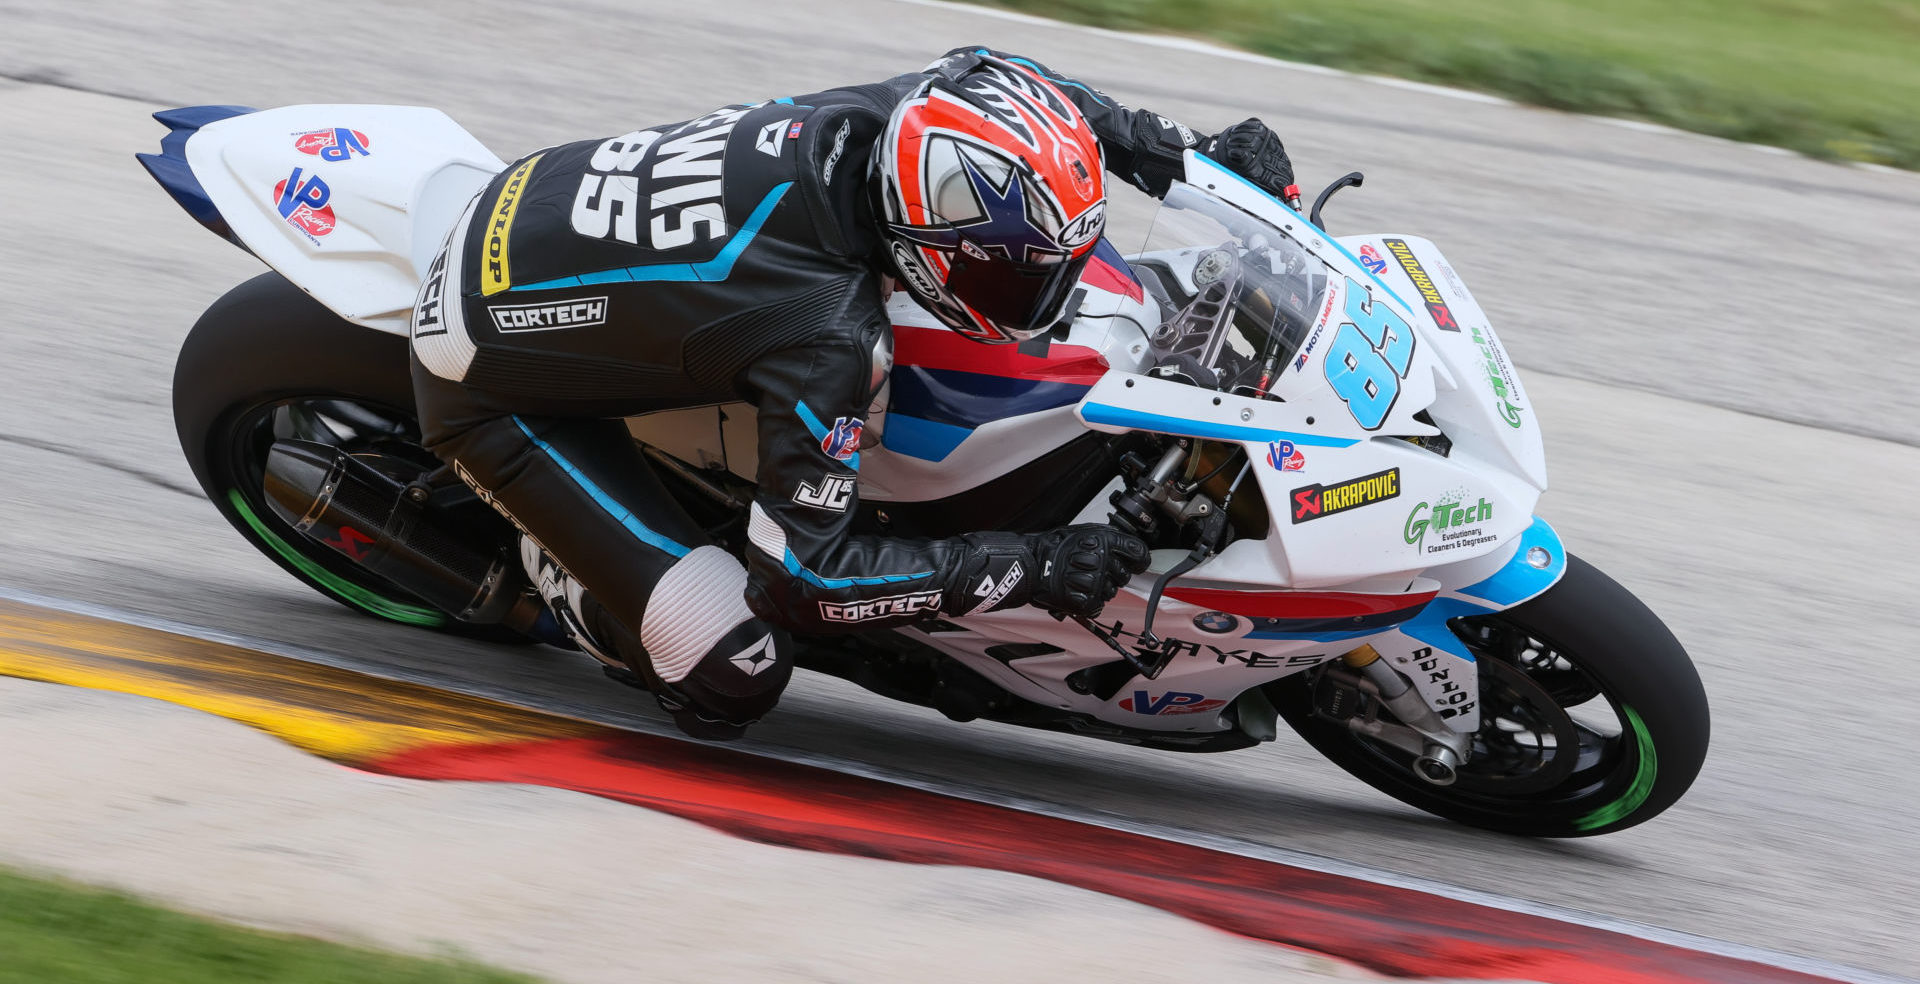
{"x":1379,"y":539}
{"x":1435,"y":533}
{"x":356,"y":217}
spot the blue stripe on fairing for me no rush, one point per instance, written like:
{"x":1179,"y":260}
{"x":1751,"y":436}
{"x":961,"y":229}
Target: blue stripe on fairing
{"x":1512,"y":584}
{"x":712,"y":271}
{"x":1430,"y":626}
{"x":1335,"y":243}
{"x":820,"y":431}
{"x":613,"y":508}
{"x":1519,"y":580}
{"x":969,"y":399}
{"x":794,"y":568}
{"x":1101,"y":413}
{"x":928,"y":440}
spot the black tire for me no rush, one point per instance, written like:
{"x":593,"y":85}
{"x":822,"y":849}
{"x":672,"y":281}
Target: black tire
{"x":1587,"y":644}
{"x":261,"y":354}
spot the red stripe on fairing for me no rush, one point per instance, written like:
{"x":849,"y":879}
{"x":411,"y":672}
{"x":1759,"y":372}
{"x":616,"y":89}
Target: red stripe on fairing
{"x":1299,"y":604}
{"x":1390,"y":930}
{"x":1101,"y":274}
{"x":938,"y":348}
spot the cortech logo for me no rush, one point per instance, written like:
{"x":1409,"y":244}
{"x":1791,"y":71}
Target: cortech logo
{"x":1436,"y":306}
{"x":426,"y":310}
{"x":577,"y":313}
{"x":498,"y":276}
{"x":1319,"y":501}
{"x":833,"y":157}
{"x":992,"y":593}
{"x":888,"y":607}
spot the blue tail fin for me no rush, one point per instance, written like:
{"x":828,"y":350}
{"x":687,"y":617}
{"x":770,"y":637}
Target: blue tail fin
{"x":169,"y":166}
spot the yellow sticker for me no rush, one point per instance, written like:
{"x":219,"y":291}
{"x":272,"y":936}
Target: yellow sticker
{"x":496,"y":276}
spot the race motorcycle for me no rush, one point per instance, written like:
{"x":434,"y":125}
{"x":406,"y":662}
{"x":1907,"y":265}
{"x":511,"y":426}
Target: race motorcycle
{"x":1322,"y":439}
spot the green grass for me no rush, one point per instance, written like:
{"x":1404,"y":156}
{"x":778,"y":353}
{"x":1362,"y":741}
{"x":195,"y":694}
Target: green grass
{"x":55,"y":933}
{"x":1829,"y":78}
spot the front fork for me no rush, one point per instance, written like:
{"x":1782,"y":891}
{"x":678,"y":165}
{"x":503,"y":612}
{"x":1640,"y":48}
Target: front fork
{"x":1424,"y":675}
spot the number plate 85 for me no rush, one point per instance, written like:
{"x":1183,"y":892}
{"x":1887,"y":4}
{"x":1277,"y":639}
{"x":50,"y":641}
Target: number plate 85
{"x":1368,"y":358}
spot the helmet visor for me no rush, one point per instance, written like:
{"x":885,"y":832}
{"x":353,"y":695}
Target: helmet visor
{"x":1020,"y":298}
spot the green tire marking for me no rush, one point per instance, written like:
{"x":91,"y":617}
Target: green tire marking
{"x":1637,"y":791}
{"x":368,"y":601}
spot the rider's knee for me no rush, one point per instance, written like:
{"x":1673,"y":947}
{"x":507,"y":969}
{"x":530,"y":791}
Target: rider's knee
{"x":719,"y":667}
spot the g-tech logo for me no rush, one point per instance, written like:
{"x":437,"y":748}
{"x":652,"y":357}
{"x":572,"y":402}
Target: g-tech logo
{"x":302,"y":199}
{"x":1436,"y":306}
{"x":1458,"y":525}
{"x":546,"y":317}
{"x":1320,"y":501}
{"x":336,"y":145}
{"x":888,"y":607}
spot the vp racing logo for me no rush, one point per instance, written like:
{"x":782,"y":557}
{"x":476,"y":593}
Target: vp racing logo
{"x":843,"y":439}
{"x":1172,"y":702}
{"x":301,"y":199}
{"x":336,"y":145}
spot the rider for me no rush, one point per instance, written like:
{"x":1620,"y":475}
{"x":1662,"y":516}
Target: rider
{"x":747,"y":254}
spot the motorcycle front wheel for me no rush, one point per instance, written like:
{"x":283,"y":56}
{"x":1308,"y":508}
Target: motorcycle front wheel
{"x":1592,"y":717}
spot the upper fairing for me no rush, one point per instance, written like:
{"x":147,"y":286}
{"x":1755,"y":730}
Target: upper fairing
{"x":960,"y":413}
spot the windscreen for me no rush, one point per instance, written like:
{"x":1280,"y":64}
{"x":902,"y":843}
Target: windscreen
{"x":1240,"y":294}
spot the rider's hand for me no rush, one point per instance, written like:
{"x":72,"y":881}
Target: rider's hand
{"x":1083,"y":567}
{"x":1253,"y":152}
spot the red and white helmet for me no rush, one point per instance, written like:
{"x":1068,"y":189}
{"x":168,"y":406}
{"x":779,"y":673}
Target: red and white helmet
{"x":992,"y":199}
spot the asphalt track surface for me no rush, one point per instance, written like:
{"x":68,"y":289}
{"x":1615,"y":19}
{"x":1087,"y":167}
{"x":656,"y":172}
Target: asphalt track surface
{"x":408,"y":730}
{"x":1716,"y":339}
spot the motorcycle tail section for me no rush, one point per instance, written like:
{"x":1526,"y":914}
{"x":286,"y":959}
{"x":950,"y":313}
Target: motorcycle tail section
{"x":347,"y":201}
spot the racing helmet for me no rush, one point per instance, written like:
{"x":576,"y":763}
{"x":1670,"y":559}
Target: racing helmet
{"x":990,"y":198}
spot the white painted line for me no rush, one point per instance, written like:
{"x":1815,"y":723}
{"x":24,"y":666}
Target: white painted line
{"x":1447,"y":92}
{"x":1227,"y":845}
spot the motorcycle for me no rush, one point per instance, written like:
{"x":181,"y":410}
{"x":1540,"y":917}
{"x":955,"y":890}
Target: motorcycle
{"x":1321,"y":437}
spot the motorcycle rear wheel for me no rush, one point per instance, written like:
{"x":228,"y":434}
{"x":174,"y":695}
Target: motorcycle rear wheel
{"x":266,"y":361}
{"x":1593,"y":719}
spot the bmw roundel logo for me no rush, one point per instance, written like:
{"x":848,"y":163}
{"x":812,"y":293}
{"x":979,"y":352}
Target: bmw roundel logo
{"x":1215,"y":622}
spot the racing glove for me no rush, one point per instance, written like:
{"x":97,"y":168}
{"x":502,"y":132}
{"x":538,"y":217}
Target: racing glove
{"x":1254,"y":152}
{"x":1083,"y":567}
{"x":1073,"y":570}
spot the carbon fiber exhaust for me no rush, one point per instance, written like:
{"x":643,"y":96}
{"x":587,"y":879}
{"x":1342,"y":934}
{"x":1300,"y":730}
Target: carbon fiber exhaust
{"x":346,"y":504}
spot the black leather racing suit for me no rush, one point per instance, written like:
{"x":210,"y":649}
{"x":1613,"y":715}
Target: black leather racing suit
{"x":729,"y":257}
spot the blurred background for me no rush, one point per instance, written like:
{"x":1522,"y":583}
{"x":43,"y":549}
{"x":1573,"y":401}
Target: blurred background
{"x":1717,"y":335}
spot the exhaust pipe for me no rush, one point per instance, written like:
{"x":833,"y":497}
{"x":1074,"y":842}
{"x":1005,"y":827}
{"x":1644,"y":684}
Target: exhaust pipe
{"x":338,"y":500}
{"x":1438,"y":766}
